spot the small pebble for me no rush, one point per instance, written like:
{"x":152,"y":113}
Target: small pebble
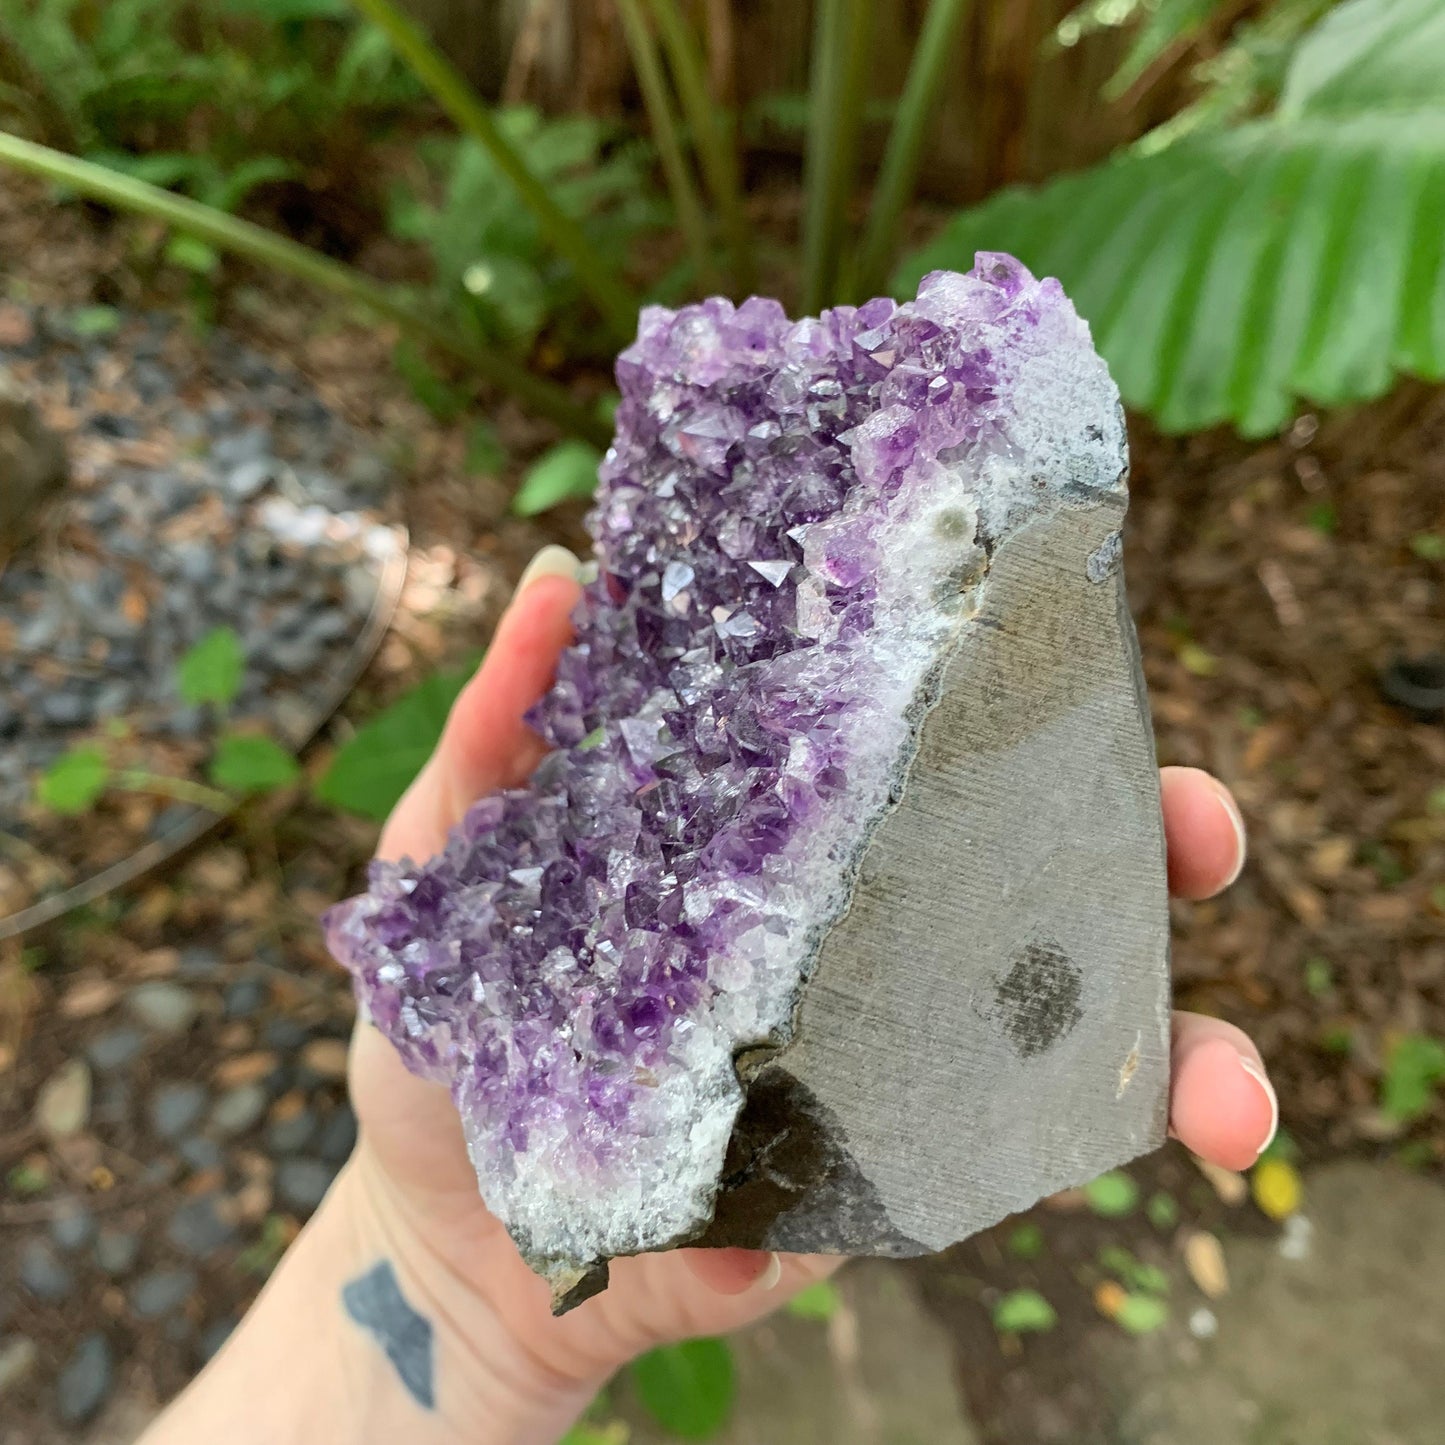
{"x":292,"y":1135}
{"x":1204,"y":1323}
{"x":326,"y":1058}
{"x":200,"y":1153}
{"x":302,"y":1183}
{"x":115,"y":1049}
{"x":197,"y":1228}
{"x":73,"y":1226}
{"x":284,"y":1035}
{"x":163,"y":1290}
{"x":201,"y":965}
{"x":338,"y":1135}
{"x":245,"y":997}
{"x":215,"y":1334}
{"x":117,"y":1251}
{"x":85,"y":1381}
{"x":18,"y":1359}
{"x":63,"y":1106}
{"x":239,"y":1109}
{"x":43,"y":1273}
{"x":174,"y":1107}
{"x":165,"y":1008}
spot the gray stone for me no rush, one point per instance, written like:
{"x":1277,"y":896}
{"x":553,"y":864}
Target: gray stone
{"x":117,"y":1251}
{"x":165,"y":1008}
{"x":291,"y":1136}
{"x":18,"y":1359}
{"x":200,"y":965}
{"x":245,"y":997}
{"x":43,"y":1272}
{"x":85,"y":1381}
{"x":338,"y":1135}
{"x":32,"y":461}
{"x":200,"y":1152}
{"x":113,"y":1102}
{"x":239,"y":1109}
{"x":302,"y":1183}
{"x":156,"y":1294}
{"x":1024,"y":1047}
{"x":115,"y":1049}
{"x":198,"y":1229}
{"x":72,"y":1227}
{"x":62,"y":1108}
{"x":284,"y":1035}
{"x":245,"y":480}
{"x":215,"y":1334}
{"x":175,"y":1107}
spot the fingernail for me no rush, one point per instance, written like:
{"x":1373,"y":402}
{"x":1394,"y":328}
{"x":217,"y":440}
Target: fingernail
{"x":1262,"y":1079}
{"x":1226,"y":801}
{"x":551,"y":561}
{"x":770,"y":1276}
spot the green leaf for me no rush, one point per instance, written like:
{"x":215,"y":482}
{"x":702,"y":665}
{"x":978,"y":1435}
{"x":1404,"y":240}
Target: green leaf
{"x":1428,"y":546}
{"x":1113,"y":1194}
{"x":1136,"y":1273}
{"x":251,"y":763}
{"x":568,"y":470}
{"x":1368,"y":53}
{"x":443,"y":400}
{"x":1142,"y":1314}
{"x":1319,"y":976}
{"x":369,"y":773}
{"x":486,"y":456}
{"x":1026,"y":1241}
{"x":212,"y":670}
{"x":192,"y":255}
{"x":1234,"y":273}
{"x":1169,"y":22}
{"x":74,"y":781}
{"x":687,"y":1388}
{"x":820,"y":1301}
{"x":1162,"y":1210}
{"x":94,"y":320}
{"x":1416,"y":1064}
{"x":1024,"y":1311}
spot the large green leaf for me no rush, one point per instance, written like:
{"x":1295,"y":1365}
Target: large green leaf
{"x":1370,"y":53}
{"x":1233,"y":273}
{"x":371,"y":772}
{"x":688,"y":1388}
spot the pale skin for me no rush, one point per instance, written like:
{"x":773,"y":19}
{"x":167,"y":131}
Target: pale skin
{"x":404,"y":1312}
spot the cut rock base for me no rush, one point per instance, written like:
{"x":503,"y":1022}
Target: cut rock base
{"x":836,"y":920}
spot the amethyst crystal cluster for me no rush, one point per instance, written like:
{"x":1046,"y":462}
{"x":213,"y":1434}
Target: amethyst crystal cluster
{"x":791,"y":531}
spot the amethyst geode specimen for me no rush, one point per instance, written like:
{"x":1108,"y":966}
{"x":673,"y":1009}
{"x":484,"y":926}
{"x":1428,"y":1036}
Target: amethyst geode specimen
{"x":835,"y":920}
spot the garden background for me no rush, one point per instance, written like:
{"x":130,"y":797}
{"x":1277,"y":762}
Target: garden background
{"x":306,"y":316}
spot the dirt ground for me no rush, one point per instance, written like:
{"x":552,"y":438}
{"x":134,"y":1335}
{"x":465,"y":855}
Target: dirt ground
{"x":1271,"y":582}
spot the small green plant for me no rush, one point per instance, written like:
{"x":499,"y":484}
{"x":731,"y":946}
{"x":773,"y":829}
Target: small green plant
{"x":1023,"y":1312}
{"x":1162,"y":1210}
{"x":211,"y":670}
{"x":687,"y":1388}
{"x":210,"y":673}
{"x":1141,"y":1314}
{"x":1414,"y":1068}
{"x":1026,"y":1241}
{"x":820,"y":1301}
{"x":1112,"y":1195}
{"x":492,"y":267}
{"x":371,"y":771}
{"x":567,"y":471}
{"x":1132,"y":1272}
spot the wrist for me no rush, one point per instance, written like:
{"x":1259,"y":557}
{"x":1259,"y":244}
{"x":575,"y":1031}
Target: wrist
{"x":365,"y":1334}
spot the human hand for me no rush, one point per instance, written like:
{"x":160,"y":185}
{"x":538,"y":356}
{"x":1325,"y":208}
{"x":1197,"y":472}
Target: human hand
{"x":412,"y":1160}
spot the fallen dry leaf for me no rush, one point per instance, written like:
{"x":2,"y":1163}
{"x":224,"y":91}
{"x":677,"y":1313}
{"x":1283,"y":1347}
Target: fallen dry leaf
{"x":1204,"y":1259}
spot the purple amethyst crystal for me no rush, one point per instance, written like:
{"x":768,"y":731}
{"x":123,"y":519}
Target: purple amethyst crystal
{"x":793,"y":531}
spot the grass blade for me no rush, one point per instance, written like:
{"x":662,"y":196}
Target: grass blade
{"x":899,"y":172}
{"x":255,"y":243}
{"x":716,"y":150}
{"x":840,"y":58}
{"x":461,"y":102}
{"x":665,"y":132}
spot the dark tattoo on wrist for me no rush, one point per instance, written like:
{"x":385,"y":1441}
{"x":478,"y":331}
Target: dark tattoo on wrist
{"x":375,"y":1301}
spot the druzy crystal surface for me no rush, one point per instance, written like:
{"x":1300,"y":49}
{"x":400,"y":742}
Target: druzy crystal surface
{"x":794,"y":533}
